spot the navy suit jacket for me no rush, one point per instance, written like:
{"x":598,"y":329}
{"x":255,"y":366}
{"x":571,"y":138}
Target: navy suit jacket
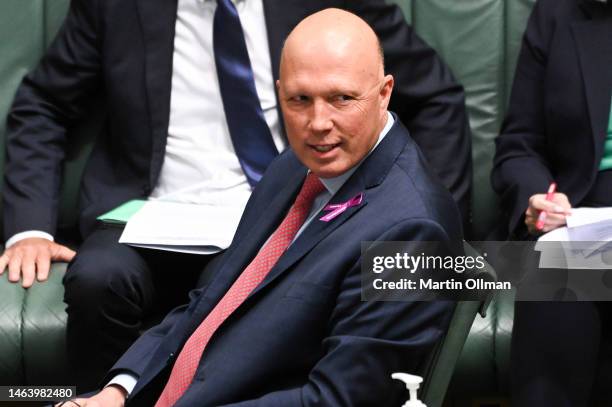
{"x":559,"y":108}
{"x":117,"y":54}
{"x":304,"y":337}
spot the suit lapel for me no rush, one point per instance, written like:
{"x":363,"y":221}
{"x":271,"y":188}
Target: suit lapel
{"x":316,"y":231}
{"x":157,"y":20}
{"x":249,"y":245}
{"x":594,"y":47}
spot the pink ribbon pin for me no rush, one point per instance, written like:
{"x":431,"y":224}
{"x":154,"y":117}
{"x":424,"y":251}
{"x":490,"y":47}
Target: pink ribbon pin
{"x":337,"y":209}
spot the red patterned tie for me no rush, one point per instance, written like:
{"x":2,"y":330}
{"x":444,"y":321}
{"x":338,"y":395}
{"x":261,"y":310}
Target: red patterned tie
{"x":188,"y":359}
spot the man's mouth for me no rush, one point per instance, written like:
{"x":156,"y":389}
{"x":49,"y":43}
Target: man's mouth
{"x":324,"y":148}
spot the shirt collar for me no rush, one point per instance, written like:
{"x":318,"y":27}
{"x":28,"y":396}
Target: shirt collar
{"x":334,"y":184}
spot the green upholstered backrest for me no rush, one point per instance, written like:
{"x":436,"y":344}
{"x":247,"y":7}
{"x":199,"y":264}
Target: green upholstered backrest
{"x":479,"y":40}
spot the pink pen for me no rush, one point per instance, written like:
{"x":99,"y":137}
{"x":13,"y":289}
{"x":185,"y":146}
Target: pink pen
{"x":549,"y":196}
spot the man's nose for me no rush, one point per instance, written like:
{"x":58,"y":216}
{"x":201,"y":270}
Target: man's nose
{"x":321,"y":117}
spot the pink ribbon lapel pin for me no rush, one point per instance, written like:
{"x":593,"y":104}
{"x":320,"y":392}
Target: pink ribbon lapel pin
{"x":337,"y":209}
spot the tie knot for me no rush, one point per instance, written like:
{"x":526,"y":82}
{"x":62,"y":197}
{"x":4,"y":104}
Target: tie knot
{"x":227,"y":4}
{"x":310,"y":189}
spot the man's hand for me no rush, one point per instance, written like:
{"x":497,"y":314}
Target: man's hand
{"x":31,"y":258}
{"x":111,"y":396}
{"x":556,"y":209}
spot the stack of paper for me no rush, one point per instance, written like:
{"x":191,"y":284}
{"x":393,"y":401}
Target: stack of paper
{"x":591,"y":225}
{"x":586,"y":242}
{"x":182,"y":227}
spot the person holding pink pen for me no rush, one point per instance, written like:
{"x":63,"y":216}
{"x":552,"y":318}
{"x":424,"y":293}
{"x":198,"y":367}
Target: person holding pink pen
{"x":547,"y":212}
{"x":554,"y":153}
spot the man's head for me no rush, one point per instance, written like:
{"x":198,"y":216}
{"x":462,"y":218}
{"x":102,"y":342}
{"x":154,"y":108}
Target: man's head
{"x":333,"y":91}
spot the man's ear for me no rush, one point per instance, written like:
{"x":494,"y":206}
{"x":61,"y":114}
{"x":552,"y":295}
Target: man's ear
{"x":278,"y":85}
{"x":385,"y":91}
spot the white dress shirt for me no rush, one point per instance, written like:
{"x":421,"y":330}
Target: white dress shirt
{"x":200,"y":165}
{"x":332,"y":185}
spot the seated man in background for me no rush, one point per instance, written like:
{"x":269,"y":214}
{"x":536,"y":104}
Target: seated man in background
{"x":181,"y":122}
{"x":282,"y":322}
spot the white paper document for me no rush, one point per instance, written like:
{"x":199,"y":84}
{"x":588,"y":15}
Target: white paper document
{"x":183,"y":227}
{"x":586,"y":242}
{"x":566,"y":256}
{"x":555,"y":235}
{"x":589,"y":216}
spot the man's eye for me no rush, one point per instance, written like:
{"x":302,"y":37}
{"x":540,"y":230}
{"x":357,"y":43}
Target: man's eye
{"x":299,"y":99}
{"x":343,"y":98}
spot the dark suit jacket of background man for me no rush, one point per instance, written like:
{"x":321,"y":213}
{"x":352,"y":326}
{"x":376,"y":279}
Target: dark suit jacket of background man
{"x":556,"y":123}
{"x":121,"y":50}
{"x":304,"y":337}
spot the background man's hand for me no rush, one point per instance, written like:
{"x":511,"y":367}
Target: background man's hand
{"x":31,"y":258}
{"x":556,"y":211}
{"x":111,"y":396}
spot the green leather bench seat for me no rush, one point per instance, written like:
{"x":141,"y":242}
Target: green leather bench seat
{"x":32,"y":332}
{"x":479,"y":39}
